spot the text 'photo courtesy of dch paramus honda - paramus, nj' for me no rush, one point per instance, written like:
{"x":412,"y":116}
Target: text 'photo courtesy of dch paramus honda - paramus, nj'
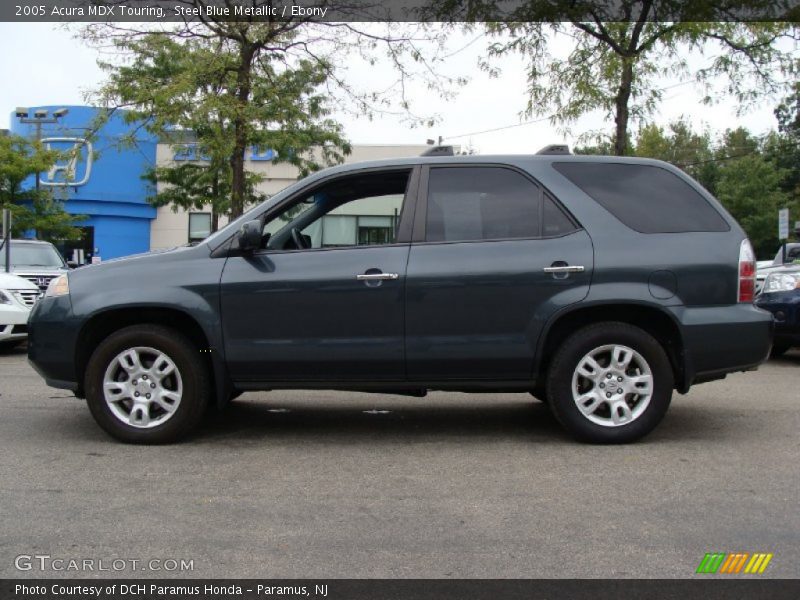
{"x":599,"y":285}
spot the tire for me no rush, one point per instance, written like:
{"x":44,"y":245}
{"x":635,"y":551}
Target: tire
{"x":181,"y":383}
{"x":779,"y":349}
{"x":604,"y":419}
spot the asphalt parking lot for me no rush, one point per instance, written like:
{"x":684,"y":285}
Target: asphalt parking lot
{"x":323,"y":484}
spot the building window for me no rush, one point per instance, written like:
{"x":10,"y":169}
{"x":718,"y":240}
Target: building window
{"x":199,"y":226}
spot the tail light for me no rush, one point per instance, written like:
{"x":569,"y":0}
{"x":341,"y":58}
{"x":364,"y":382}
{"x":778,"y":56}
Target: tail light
{"x":747,"y":272}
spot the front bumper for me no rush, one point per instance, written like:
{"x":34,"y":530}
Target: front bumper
{"x":722,"y":339}
{"x":13,"y":323}
{"x":785,"y":308}
{"x":52,"y":335}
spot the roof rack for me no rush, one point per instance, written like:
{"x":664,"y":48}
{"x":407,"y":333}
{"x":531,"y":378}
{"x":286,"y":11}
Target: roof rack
{"x":439,"y":151}
{"x":555,"y":149}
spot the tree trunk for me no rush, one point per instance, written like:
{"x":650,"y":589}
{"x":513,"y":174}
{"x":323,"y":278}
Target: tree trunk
{"x":240,"y":125}
{"x":622,"y":114}
{"x":215,"y":198}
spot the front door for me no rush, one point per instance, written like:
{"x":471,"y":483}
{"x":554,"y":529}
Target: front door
{"x":323,"y":300}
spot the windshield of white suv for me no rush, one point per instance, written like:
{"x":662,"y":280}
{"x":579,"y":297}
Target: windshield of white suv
{"x":35,"y":255}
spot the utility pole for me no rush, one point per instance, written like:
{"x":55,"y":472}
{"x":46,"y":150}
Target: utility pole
{"x":6,"y":245}
{"x":40,"y":117}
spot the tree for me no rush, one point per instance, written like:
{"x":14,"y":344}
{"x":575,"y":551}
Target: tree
{"x":680,"y":145}
{"x":783,"y":147}
{"x":749,"y":187}
{"x":181,"y":91}
{"x":738,"y":168}
{"x":236,"y":71}
{"x":622,"y":51}
{"x":21,"y":159}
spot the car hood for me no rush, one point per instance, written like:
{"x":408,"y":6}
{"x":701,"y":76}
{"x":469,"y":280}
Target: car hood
{"x":37,"y":270}
{"x":13,"y":282}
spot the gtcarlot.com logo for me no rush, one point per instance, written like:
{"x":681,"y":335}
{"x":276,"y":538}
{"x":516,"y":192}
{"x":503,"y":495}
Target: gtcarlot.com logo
{"x":46,"y":562}
{"x":734,"y":563}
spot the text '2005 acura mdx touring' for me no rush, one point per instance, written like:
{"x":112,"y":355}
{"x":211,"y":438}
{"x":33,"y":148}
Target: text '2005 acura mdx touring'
{"x":598,"y":284}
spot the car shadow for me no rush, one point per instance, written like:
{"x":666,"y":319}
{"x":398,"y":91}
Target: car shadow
{"x":373,"y":418}
{"x":791,"y":358}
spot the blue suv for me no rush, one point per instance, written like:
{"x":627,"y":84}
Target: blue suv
{"x":597,"y":284}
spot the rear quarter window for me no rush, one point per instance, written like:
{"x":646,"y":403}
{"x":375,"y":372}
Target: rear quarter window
{"x":646,"y":198}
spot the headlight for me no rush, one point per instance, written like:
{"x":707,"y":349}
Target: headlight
{"x":58,"y":287}
{"x":781,"y":282}
{"x":4,"y":298}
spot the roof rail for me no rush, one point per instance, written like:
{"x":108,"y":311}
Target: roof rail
{"x":555,"y":149}
{"x":439,"y":151}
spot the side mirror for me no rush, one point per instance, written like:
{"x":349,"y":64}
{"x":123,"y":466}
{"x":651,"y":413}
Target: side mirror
{"x":250,"y":236}
{"x":72,"y":264}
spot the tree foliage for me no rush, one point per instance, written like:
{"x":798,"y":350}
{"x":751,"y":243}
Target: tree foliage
{"x":259,"y":82}
{"x":20,"y":160}
{"x":622,"y":51}
{"x":183,"y":89}
{"x":748,"y":174}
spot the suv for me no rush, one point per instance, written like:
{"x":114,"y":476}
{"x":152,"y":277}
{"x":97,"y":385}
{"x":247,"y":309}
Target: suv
{"x":598,"y":284}
{"x":37,"y":261}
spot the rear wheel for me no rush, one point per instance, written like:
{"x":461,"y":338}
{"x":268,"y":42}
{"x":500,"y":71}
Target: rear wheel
{"x":610,"y":383}
{"x":147,"y":384}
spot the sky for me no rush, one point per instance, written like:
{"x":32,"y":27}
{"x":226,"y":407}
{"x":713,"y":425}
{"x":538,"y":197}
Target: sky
{"x":43,"y":64}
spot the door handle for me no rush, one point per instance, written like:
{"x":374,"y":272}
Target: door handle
{"x":377,"y":276}
{"x":565,"y":269}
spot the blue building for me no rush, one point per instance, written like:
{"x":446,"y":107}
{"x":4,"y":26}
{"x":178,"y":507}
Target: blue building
{"x":104,"y":179}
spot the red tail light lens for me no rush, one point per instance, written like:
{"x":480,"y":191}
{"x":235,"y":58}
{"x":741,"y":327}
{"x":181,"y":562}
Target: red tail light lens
{"x":747,"y":272}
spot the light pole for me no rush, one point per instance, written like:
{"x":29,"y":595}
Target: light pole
{"x":40,"y":117}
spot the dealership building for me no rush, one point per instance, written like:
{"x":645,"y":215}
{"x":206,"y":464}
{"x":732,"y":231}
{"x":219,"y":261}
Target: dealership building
{"x":104,"y":181}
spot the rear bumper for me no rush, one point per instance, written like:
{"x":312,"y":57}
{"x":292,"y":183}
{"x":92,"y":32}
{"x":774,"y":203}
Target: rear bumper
{"x":722,"y":339}
{"x":785,"y":308}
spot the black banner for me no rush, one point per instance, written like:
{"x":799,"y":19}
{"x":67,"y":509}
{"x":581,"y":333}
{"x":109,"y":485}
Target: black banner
{"x":708,"y":588}
{"x":112,"y":11}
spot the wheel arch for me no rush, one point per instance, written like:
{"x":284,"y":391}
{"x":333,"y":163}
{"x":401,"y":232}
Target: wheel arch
{"x":651,"y":318}
{"x":102,"y":324}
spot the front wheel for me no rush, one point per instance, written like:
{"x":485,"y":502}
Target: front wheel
{"x":147,"y":384}
{"x":610,"y":383}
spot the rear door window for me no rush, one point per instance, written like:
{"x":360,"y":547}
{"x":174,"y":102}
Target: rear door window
{"x":646,"y":198}
{"x":481,"y":203}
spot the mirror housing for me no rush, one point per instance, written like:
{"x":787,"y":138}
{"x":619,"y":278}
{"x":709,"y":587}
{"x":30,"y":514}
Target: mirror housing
{"x":250,"y":236}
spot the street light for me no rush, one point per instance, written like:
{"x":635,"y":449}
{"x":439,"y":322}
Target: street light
{"x":39,"y":118}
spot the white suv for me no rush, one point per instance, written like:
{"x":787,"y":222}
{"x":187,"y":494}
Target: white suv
{"x":37,"y":261}
{"x":17,"y":297}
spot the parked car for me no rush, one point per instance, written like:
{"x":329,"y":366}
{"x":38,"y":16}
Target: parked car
{"x":599,"y":284}
{"x":781,"y":297}
{"x":37,"y":261}
{"x":764,"y":268}
{"x":17,"y":297}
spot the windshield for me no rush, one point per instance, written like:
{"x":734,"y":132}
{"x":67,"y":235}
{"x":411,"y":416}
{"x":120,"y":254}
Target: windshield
{"x":38,"y":255}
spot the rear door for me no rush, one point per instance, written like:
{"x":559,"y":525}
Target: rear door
{"x":494,"y":255}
